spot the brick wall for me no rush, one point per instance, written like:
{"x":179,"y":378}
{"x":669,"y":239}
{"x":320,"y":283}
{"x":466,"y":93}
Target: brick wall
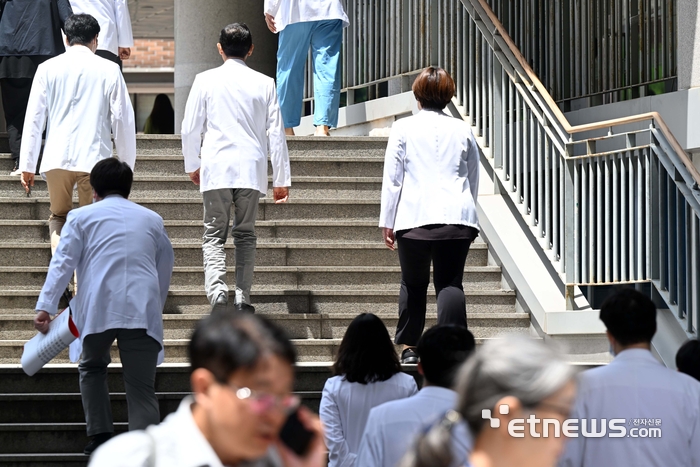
{"x":152,"y":53}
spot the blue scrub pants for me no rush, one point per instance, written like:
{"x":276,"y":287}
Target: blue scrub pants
{"x":324,"y":38}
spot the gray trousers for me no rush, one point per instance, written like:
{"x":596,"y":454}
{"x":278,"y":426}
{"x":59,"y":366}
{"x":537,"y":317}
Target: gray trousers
{"x":217,"y":219}
{"x":139,"y":355}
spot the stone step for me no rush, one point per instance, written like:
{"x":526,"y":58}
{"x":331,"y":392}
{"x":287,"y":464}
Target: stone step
{"x":63,"y":378}
{"x":46,"y":438}
{"x":33,"y":208}
{"x":192,"y":300}
{"x":298,"y":326}
{"x":283,"y":277}
{"x":175,"y":186}
{"x":44,"y":460}
{"x":267,"y":254}
{"x":59,"y":408}
{"x":308,"y":350}
{"x":285,"y":231}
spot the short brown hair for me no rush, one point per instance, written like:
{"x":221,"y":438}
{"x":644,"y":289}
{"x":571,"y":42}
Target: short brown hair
{"x":434,"y":88}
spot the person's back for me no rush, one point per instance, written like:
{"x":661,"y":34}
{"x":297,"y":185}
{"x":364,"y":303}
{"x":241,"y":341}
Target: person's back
{"x":439,"y":161}
{"x":241,"y":98}
{"x":79,"y":87}
{"x":28,"y":27}
{"x":637,"y":388}
{"x":392,"y":427}
{"x":367,"y":373}
{"x":660,"y":407}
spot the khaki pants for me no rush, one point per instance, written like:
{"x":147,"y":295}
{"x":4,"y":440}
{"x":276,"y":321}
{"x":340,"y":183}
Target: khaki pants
{"x":60,"y":184}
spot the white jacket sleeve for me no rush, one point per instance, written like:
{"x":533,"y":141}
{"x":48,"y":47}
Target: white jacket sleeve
{"x":64,"y":261}
{"x":125,"y":37}
{"x":272,"y":7}
{"x":277,"y":142}
{"x":338,"y":451}
{"x":34,"y":123}
{"x":473,"y":166}
{"x":194,"y":126}
{"x":393,"y":178}
{"x":123,"y":123}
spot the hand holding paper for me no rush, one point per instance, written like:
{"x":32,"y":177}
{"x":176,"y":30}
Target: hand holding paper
{"x":43,"y":348}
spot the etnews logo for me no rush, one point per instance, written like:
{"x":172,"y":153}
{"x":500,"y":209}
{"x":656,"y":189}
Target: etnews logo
{"x":573,"y":427}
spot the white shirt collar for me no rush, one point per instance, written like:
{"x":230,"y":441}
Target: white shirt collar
{"x":194,"y":449}
{"x":79,"y":49}
{"x":638,"y":355}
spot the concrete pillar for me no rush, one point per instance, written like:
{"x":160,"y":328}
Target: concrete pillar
{"x":197,"y":28}
{"x":688,"y":43}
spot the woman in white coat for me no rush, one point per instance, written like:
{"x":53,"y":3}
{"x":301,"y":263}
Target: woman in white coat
{"x":367,"y":374}
{"x":431,"y":180}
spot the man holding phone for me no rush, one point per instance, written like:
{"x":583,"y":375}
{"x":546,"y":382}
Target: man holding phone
{"x":242,"y":378}
{"x":232,"y":120}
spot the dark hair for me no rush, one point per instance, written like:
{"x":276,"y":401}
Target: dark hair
{"x":162,"y":116}
{"x":630,"y":316}
{"x":366,"y":353}
{"x":111,"y":177}
{"x":81,"y":29}
{"x":236,"y":40}
{"x":688,"y":358}
{"x":434,"y":88}
{"x":442,"y":350}
{"x":224,"y":343}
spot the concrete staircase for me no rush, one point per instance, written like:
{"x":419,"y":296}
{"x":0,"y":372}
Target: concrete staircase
{"x":320,"y":262}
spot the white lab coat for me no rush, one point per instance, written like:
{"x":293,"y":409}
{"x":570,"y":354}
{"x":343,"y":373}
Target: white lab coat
{"x":345,"y":407}
{"x":393,"y":427}
{"x":635,"y":387}
{"x":297,"y":11}
{"x":235,"y":111}
{"x":431,"y":173}
{"x":124,"y":261}
{"x":81,"y":99}
{"x":176,"y":442}
{"x":114,"y":19}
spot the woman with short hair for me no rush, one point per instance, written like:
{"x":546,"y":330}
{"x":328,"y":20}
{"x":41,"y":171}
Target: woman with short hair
{"x":507,"y":379}
{"x":429,"y":191}
{"x":367,"y":373}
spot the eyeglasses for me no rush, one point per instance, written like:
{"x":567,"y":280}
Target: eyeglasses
{"x":262,"y":402}
{"x":558,"y":409}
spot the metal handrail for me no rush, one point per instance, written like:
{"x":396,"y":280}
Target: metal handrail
{"x":613,"y":208}
{"x":554,"y":108}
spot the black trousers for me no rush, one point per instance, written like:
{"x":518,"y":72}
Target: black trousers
{"x":15,"y":97}
{"x":109,"y":56}
{"x":448,"y":258}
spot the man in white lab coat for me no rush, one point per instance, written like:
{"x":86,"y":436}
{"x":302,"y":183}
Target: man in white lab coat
{"x":635,"y":387}
{"x":235,"y":111}
{"x":84,"y":99}
{"x":125,"y":260}
{"x":116,"y":38}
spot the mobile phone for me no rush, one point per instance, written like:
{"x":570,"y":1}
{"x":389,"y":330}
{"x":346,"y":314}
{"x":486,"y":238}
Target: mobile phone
{"x":295,"y":436}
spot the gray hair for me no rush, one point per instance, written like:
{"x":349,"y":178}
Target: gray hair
{"x":512,"y":365}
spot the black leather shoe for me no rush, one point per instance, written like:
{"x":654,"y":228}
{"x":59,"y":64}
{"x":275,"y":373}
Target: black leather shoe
{"x":220,"y":305}
{"x":96,"y":442}
{"x":244,"y":308}
{"x":409,"y":357}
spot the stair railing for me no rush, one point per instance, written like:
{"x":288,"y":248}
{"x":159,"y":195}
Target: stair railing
{"x":611,"y":202}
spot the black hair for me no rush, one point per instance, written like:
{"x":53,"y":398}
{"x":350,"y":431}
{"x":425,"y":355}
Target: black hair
{"x":236,"y":40}
{"x":688,"y":358}
{"x":442,"y":350}
{"x":162,"y":116}
{"x":366,"y":353}
{"x":111,"y":177}
{"x":630,"y":316}
{"x":224,"y":343}
{"x":81,"y":29}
